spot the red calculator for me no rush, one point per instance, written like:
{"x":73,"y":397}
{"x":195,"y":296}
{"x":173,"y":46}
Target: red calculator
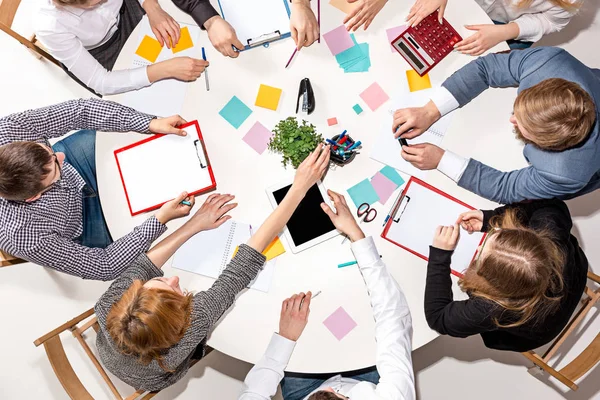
{"x":426,"y":44}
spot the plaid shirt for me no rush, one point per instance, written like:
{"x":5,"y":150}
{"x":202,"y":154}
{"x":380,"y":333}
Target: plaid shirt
{"x":43,"y":231}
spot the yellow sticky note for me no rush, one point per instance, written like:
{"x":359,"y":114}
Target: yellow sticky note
{"x":268,"y":97}
{"x":185,"y":41}
{"x":274,"y":249}
{"x":344,"y":6}
{"x":416,"y":82}
{"x":149,"y":49}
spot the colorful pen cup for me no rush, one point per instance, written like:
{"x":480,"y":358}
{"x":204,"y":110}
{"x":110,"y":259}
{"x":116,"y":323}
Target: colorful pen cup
{"x":339,"y":159}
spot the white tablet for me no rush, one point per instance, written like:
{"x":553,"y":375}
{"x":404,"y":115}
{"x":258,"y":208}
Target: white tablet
{"x":309,"y":225}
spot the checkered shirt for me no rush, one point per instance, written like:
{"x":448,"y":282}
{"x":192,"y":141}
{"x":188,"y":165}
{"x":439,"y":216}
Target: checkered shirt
{"x":43,"y":231}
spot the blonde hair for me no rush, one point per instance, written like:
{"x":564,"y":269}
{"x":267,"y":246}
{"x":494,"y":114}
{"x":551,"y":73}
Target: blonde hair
{"x":564,"y":4}
{"x":557,"y":113}
{"x":146,"y":322}
{"x":521,"y":271}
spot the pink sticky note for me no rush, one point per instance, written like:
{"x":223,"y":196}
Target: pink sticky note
{"x":374,"y":96}
{"x":332,"y":121}
{"x":338,"y":40}
{"x":393,"y":33}
{"x":340,"y":323}
{"x":258,"y":137}
{"x":383,"y":186}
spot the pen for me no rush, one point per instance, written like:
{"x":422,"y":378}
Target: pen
{"x":205,"y":71}
{"x":186,"y":203}
{"x":347,"y":264}
{"x":355,"y":145}
{"x":343,"y":134}
{"x":291,"y":58}
{"x":316,"y":294}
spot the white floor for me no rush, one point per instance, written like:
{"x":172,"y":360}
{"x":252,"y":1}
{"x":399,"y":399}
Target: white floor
{"x":35,"y":300}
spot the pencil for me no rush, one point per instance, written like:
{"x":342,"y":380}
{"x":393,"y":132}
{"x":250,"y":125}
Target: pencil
{"x":291,"y":58}
{"x":205,"y":71}
{"x":319,"y":19}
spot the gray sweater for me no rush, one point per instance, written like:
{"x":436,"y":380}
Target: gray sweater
{"x":207,"y":308}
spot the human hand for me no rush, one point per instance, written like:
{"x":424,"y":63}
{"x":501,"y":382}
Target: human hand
{"x":183,"y":68}
{"x":363,"y":14}
{"x":422,"y":8}
{"x":303,"y":24}
{"x":424,"y":156}
{"x":168,"y":125}
{"x":164,"y":27}
{"x":446,"y":237}
{"x":222,"y":36}
{"x":486,"y":37}
{"x":294,"y":316}
{"x":211,"y":214}
{"x":412,"y":122}
{"x":174,"y":209}
{"x":311,"y":169}
{"x":342,"y":218}
{"x":471,"y":221}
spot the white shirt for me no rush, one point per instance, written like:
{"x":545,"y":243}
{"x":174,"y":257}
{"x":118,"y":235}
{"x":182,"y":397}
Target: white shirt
{"x":393,"y":332}
{"x":540,"y":18}
{"x":69,"y":32}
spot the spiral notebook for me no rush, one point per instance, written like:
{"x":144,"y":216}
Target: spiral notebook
{"x":208,"y":253}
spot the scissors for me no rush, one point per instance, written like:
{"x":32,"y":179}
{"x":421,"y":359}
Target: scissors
{"x":366,"y":213}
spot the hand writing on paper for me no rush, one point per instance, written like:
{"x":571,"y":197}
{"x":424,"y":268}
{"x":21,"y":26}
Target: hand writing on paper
{"x":342,"y":218}
{"x":168,"y":125}
{"x":485,"y":37}
{"x":311,"y":169}
{"x":165,"y":28}
{"x":363,"y":14}
{"x":303,"y":24}
{"x":223,"y":36}
{"x":424,"y":156}
{"x":422,"y":8}
{"x":211,"y":214}
{"x":446,"y":237}
{"x":294,"y":316}
{"x":174,"y":209}
{"x":411,"y":122}
{"x":471,"y":221}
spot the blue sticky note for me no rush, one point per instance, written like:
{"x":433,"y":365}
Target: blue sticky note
{"x":392,"y":175}
{"x":235,"y":112}
{"x":363,"y":192}
{"x":357,"y":109}
{"x":364,"y":63}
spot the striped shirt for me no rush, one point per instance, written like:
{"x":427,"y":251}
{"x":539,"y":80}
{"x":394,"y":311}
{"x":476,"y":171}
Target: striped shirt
{"x":44,"y":231}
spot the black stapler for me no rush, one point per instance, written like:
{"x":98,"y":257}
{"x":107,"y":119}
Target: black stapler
{"x":307,"y":96}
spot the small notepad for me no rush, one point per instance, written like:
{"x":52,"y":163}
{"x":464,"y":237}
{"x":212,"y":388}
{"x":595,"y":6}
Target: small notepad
{"x":235,"y":112}
{"x":383,"y":186}
{"x":258,"y":137}
{"x":268,"y":97}
{"x":185,"y":41}
{"x":416,"y":82}
{"x":340,"y":323}
{"x":149,"y":49}
{"x":338,"y":40}
{"x":374,"y":96}
{"x":363,"y":192}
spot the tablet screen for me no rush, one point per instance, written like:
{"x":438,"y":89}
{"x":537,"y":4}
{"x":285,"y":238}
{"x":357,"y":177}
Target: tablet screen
{"x":308,"y":221}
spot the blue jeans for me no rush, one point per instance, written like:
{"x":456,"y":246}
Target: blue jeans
{"x":298,"y":386}
{"x":80,"y":152}
{"x":515,"y":44}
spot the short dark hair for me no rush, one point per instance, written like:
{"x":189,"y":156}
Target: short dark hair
{"x":23,"y":167}
{"x":323,"y":395}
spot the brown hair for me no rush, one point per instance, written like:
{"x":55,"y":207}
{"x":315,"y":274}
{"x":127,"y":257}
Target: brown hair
{"x":74,"y":3}
{"x":565,"y":4}
{"x":146,"y":322}
{"x":323,"y":395}
{"x":557,"y":113}
{"x":521,"y":271}
{"x":23,"y":167}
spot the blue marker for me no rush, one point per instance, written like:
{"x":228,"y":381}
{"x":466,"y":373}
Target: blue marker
{"x":205,"y":71}
{"x":186,"y":203}
{"x":355,"y":145}
{"x":342,"y":135}
{"x":331,"y":142}
{"x":347,"y":264}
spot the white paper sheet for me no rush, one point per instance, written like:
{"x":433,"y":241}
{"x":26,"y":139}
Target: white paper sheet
{"x":159,"y":170}
{"x":166,"y":97}
{"x":387,"y":150}
{"x":252,"y":19}
{"x":208,"y":253}
{"x":425,"y":211}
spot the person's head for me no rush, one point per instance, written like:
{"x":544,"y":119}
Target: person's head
{"x":555,"y":114}
{"x":517,"y":268}
{"x":150,"y":318}
{"x":326,"y":394}
{"x":85,"y":4}
{"x":27,"y":170}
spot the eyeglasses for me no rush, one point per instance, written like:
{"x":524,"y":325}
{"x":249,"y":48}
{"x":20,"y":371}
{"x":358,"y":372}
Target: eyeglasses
{"x":50,"y":186}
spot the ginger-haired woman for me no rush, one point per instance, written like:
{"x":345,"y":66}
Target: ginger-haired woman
{"x":150,"y":329}
{"x":523,"y":285}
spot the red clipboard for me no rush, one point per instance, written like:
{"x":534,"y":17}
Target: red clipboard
{"x":401,"y":200}
{"x":196,"y":137}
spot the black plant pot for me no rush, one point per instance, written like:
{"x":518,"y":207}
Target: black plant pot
{"x":339,"y":160}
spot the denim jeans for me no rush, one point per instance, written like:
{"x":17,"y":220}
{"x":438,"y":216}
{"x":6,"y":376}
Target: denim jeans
{"x":80,"y":152}
{"x":298,"y":386}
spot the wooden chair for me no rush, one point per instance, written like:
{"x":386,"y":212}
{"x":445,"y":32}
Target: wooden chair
{"x":587,"y":359}
{"x":63,"y":369}
{"x":8,"y":9}
{"x":8,"y":260}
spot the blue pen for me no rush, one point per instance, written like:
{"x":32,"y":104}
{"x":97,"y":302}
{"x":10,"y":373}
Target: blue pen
{"x":343,"y":134}
{"x":205,"y":71}
{"x":355,"y":145}
{"x":186,"y":203}
{"x":347,"y":264}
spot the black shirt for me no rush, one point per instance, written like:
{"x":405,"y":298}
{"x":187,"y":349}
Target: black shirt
{"x":476,"y":315}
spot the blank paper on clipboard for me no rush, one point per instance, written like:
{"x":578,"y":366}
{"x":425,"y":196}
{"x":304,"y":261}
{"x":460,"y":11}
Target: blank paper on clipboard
{"x":257,"y":21}
{"x":155,"y":170}
{"x":421,"y":210}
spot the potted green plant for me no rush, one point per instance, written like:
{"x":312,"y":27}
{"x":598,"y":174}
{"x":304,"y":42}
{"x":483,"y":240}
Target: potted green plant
{"x":294,"y":141}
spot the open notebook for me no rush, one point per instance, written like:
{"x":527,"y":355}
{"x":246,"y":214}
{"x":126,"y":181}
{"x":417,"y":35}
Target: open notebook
{"x":209,"y":252}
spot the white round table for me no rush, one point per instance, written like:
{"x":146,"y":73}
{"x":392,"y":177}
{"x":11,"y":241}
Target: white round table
{"x":246,"y":328}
